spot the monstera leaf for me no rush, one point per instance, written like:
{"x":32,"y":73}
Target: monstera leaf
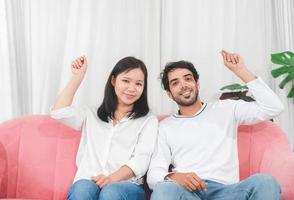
{"x":285,"y":60}
{"x":234,"y":86}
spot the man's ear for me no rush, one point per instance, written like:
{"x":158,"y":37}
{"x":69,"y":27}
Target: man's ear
{"x":169,"y":94}
{"x":198,"y":84}
{"x":113,"y":80}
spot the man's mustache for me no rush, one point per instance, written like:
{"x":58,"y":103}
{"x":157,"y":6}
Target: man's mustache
{"x":185,"y":89}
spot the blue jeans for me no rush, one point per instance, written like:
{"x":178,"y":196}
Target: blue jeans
{"x":88,"y":190}
{"x":255,"y":187}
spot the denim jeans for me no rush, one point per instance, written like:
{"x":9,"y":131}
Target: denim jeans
{"x":255,"y":187}
{"x":88,"y":190}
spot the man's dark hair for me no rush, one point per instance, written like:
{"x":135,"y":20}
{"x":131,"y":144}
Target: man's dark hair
{"x":109,"y":104}
{"x":175,"y":65}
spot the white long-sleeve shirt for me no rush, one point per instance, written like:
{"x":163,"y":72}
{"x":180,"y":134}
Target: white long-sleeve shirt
{"x":104,"y":148}
{"x":206,"y":143}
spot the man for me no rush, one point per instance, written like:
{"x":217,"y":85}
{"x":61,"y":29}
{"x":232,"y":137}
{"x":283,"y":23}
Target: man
{"x":200,"y":142}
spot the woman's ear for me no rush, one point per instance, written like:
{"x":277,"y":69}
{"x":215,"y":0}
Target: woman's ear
{"x":112,"y":80}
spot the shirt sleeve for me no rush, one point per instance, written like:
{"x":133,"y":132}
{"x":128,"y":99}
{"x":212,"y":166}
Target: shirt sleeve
{"x":144,"y":148}
{"x":267,"y":104}
{"x":71,"y":116}
{"x":160,"y":160}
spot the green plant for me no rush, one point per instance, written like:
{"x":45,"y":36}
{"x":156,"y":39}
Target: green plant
{"x":234,"y":87}
{"x":286,"y":62}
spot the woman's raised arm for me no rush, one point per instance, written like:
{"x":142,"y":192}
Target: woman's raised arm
{"x":65,"y":98}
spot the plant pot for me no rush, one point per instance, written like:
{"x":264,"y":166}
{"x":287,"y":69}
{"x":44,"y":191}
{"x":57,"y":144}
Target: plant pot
{"x":236,"y":96}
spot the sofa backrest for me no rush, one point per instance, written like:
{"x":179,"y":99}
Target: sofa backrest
{"x":37,"y":155}
{"x":254,"y":141}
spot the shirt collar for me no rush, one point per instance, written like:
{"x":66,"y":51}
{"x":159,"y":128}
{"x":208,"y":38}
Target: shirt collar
{"x":194,"y":115}
{"x":124,"y":119}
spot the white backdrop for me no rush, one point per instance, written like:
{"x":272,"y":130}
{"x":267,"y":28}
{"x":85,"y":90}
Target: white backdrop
{"x":39,"y":39}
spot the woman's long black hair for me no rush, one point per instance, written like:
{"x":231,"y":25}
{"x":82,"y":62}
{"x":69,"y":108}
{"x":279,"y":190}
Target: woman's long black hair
{"x":109,"y":104}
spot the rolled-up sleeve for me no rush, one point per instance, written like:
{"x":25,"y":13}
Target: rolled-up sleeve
{"x":160,"y":160}
{"x":144,"y":148}
{"x":71,"y":116}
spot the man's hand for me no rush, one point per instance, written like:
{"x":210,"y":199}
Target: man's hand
{"x":235,"y":63}
{"x":101,"y":180}
{"x":190,"y":181}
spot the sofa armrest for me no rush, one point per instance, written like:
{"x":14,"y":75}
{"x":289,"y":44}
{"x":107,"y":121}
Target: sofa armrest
{"x":278,"y":160}
{"x":3,"y":171}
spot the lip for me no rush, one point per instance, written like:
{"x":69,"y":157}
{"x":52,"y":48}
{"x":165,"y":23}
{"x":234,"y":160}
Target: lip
{"x":130,"y":96}
{"x":186,"y":93}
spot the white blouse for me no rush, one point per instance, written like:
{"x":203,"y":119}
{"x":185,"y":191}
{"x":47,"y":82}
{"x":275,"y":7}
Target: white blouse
{"x":105,"y":148}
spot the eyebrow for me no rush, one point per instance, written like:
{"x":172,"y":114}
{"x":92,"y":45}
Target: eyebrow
{"x":186,"y":75}
{"x":173,"y":80}
{"x":124,"y":77}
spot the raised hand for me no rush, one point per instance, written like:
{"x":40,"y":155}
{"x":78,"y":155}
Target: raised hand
{"x":189,"y":180}
{"x":79,"y":66}
{"x":232,"y":61}
{"x":65,"y":98}
{"x":235,"y":63}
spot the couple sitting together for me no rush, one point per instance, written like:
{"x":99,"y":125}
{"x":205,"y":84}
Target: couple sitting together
{"x":121,"y":140}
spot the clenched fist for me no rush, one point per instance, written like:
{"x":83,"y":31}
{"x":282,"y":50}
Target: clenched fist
{"x":233,"y":61}
{"x":79,"y":66}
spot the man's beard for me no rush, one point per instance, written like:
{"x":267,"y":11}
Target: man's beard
{"x":187,"y":102}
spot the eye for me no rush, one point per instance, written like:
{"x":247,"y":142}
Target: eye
{"x":189,"y":78}
{"x":139,"y":84}
{"x":174,"y":83}
{"x":125,"y":81}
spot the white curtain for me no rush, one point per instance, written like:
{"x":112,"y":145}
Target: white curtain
{"x":281,"y":38}
{"x":39,"y":39}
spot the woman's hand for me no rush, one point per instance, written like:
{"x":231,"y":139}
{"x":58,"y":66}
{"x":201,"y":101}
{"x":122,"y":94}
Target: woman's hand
{"x":102,"y":180}
{"x":65,"y":98}
{"x":79,"y":67}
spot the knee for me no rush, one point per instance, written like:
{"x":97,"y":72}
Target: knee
{"x":83,"y":189}
{"x":166,"y":190}
{"x":111,"y":191}
{"x":266,"y":182}
{"x":122,"y":191}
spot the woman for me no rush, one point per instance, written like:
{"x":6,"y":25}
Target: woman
{"x":117,"y":139}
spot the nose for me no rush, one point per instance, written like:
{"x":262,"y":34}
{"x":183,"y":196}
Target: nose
{"x":183,"y":84}
{"x":132,"y":88}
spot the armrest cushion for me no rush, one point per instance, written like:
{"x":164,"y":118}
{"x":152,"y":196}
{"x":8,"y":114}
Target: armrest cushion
{"x":278,"y":160}
{"x":3,"y":171}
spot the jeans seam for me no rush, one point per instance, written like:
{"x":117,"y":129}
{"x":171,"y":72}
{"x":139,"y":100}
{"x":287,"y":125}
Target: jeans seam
{"x":126,"y":195}
{"x":182,"y":194}
{"x":231,"y":192}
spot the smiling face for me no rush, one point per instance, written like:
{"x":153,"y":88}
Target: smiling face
{"x":183,"y":88}
{"x":128,"y":86}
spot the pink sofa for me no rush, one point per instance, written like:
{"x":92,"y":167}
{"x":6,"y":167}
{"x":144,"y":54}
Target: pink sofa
{"x":37,"y":157}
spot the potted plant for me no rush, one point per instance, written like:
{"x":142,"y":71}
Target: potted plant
{"x":235,"y":91}
{"x":285,"y":60}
